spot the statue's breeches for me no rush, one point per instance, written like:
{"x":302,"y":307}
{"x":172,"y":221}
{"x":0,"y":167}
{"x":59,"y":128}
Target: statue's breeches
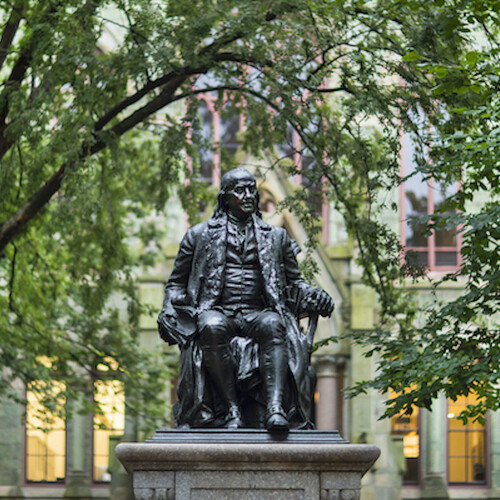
{"x":216,"y":329}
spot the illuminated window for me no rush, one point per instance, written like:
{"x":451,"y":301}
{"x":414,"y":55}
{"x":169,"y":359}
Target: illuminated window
{"x":45,"y":436}
{"x":466,"y":446}
{"x":420,"y":198}
{"x":110,"y":421}
{"x":407,"y":426}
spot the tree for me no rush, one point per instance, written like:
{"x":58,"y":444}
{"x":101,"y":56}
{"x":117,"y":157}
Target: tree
{"x":454,"y":348}
{"x":92,"y":141}
{"x":449,"y":66}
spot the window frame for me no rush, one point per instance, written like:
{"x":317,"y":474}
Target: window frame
{"x":487,"y":464}
{"x":419,"y":468}
{"x":24,"y":470}
{"x":210,"y":100}
{"x":94,"y":481}
{"x":431,"y":249}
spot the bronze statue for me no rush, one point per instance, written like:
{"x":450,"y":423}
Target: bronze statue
{"x":232,"y":304}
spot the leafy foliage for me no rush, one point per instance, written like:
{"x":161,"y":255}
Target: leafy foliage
{"x":454,"y":347}
{"x":94,"y":136}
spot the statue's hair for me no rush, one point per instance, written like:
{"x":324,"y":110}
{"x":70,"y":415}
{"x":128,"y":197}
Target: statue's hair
{"x":227,"y":183}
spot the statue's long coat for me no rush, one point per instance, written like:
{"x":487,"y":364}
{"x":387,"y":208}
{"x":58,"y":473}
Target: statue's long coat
{"x":197,"y":281}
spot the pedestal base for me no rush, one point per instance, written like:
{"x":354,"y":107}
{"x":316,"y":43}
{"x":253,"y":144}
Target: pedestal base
{"x":246,"y":465}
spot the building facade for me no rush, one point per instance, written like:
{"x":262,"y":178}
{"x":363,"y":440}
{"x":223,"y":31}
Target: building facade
{"x":429,"y":454}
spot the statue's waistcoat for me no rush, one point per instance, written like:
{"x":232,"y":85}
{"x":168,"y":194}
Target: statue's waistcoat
{"x":210,"y":261}
{"x":242,"y":288}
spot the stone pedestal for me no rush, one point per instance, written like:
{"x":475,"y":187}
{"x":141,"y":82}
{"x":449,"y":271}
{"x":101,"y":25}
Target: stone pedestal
{"x":246,"y":465}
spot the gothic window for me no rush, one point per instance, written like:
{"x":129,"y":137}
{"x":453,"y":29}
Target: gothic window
{"x":215,"y":136}
{"x":466,"y":446}
{"x":45,"y":437}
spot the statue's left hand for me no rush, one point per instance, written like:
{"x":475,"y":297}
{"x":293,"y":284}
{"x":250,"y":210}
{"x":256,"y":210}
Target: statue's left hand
{"x":319,"y":301}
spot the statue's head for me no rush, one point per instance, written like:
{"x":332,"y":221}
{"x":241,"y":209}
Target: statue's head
{"x":238,"y":194}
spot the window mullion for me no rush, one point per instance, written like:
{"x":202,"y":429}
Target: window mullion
{"x":216,"y":172}
{"x":431,"y":240}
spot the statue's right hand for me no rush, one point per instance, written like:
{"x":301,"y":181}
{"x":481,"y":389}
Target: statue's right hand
{"x":318,"y":301}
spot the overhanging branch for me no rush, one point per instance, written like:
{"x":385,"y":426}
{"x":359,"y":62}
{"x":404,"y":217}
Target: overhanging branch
{"x":9,"y":31}
{"x":170,"y":83}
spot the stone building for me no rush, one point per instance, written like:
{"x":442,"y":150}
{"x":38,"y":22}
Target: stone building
{"x":429,"y":455}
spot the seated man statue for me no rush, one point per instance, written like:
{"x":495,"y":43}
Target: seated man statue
{"x":232,"y":304}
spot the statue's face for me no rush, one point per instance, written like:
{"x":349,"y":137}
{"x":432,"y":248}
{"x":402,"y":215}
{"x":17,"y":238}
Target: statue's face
{"x":242,"y":198}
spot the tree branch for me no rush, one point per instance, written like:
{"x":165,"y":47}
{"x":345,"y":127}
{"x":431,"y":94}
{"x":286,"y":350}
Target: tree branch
{"x":131,"y":100}
{"x":13,"y":82}
{"x":19,"y":70}
{"x":171,"y":82}
{"x":183,"y":72}
{"x":10,"y":30}
{"x":38,"y":200}
{"x":28,"y":210}
{"x":12,"y":227}
{"x":157,"y":103}
{"x":12,"y":278}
